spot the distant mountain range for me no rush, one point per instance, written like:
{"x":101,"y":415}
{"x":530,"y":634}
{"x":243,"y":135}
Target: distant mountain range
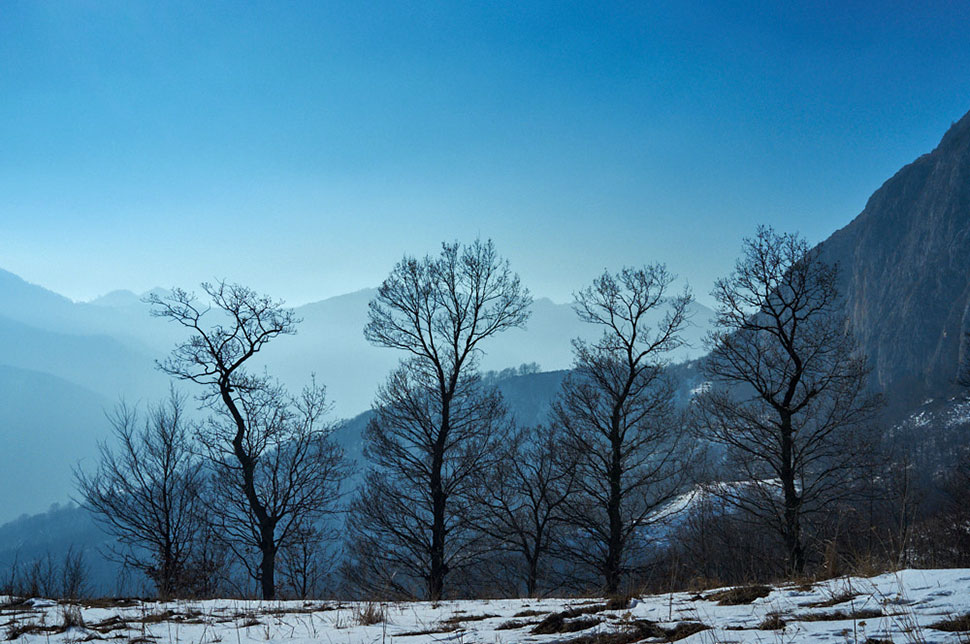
{"x":62,"y":363}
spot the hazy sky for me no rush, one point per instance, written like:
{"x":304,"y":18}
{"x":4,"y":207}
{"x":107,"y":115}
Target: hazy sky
{"x":302,"y":148}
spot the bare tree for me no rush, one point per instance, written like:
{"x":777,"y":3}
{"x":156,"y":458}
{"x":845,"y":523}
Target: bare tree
{"x":74,"y":575}
{"x":522,"y":499}
{"x":275,"y":464}
{"x":942,"y":539}
{"x":41,"y":579}
{"x":211,"y":570}
{"x":146,"y":492}
{"x":433,"y":423}
{"x":616,"y":410}
{"x":790,"y":387}
{"x":297,"y":473}
{"x":393,"y":519}
{"x":304,"y":564}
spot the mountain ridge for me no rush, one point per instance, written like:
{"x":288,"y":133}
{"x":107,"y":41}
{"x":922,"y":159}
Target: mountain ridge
{"x":109,"y":346}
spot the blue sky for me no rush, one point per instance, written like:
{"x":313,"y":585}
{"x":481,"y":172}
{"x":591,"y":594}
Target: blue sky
{"x":302,"y":148}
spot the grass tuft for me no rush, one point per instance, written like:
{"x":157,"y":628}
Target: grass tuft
{"x":739,"y":595}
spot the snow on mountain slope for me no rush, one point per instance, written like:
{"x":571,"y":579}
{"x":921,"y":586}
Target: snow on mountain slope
{"x":928,"y":606}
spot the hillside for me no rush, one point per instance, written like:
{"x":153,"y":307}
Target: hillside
{"x":908,"y":606}
{"x":905,"y":264}
{"x":48,"y":425}
{"x":55,"y":533}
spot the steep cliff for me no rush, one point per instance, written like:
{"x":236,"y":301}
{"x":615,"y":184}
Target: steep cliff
{"x":905,"y":263}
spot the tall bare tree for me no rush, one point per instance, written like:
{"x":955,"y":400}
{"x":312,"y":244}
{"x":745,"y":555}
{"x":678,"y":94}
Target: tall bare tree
{"x":146,"y":492}
{"x":393,"y":519}
{"x":275,"y":465}
{"x":616,"y":411}
{"x":434,"y":421}
{"x":789,"y":396}
{"x":297,"y":473}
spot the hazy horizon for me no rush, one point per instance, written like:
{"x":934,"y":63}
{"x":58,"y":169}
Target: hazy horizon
{"x":303,"y":148}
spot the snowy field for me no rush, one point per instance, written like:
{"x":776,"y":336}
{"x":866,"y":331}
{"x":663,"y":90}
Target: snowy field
{"x":910,"y":606}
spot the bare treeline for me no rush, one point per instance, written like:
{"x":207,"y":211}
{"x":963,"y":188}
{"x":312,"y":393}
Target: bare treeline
{"x":759,"y":467}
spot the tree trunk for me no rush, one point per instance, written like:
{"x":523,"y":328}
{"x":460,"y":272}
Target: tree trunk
{"x":614,"y":552}
{"x":533,"y":575}
{"x":167,"y":582}
{"x":267,"y":526}
{"x":792,"y":526}
{"x":436,"y":577}
{"x":267,"y":567}
{"x":532,"y":560}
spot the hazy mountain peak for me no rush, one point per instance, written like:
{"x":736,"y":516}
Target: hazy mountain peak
{"x":121,"y":297}
{"x":13,"y":286}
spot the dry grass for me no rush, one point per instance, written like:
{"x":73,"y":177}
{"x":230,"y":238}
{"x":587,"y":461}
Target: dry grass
{"x":840,"y":598}
{"x":430,"y":631}
{"x":640,"y":630}
{"x":16,"y":630}
{"x":458,"y":619}
{"x":370,"y":613}
{"x":110,"y":602}
{"x":739,"y":595}
{"x":562,"y":622}
{"x":531,"y":613}
{"x":772,"y":623}
{"x":702,"y":584}
{"x":684,"y":629}
{"x":559,"y":623}
{"x":839,"y":616}
{"x":155,"y":617}
{"x":71,"y":617}
{"x":618,"y":602}
{"x":954,"y":625}
{"x":14,"y":603}
{"x":110,"y":624}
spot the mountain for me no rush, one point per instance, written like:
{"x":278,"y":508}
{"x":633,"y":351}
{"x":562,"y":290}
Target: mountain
{"x":101,"y":363}
{"x":35,"y":306}
{"x":905,"y":274}
{"x":51,"y":535}
{"x":905,"y":268}
{"x":330,"y":342}
{"x":63,"y":362}
{"x":47,"y":426}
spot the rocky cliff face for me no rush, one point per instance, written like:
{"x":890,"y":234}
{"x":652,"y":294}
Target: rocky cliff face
{"x":963,"y":369}
{"x":905,"y":264}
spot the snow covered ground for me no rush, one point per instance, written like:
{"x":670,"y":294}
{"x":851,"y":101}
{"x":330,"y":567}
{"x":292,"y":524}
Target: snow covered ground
{"x":910,"y":606}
